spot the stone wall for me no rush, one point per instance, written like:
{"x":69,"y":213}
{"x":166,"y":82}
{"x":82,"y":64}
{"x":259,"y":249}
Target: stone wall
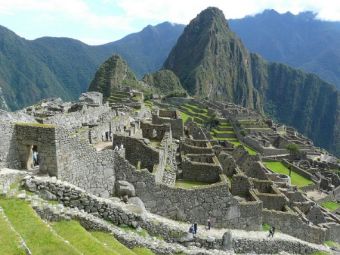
{"x":290,"y":223}
{"x":199,"y":171}
{"x":213,"y":201}
{"x":136,"y":150}
{"x":76,"y":119}
{"x":80,"y":164}
{"x":176,"y":124}
{"x":154,"y":131}
{"x":8,"y":148}
{"x":42,"y":136}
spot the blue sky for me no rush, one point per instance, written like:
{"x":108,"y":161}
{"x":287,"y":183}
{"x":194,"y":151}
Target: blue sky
{"x":101,"y":21}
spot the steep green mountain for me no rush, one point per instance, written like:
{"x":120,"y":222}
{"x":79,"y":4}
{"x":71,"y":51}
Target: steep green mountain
{"x":301,"y":100}
{"x":63,"y":67}
{"x":212,"y":62}
{"x":301,"y":41}
{"x":113,"y":74}
{"x":165,"y":82}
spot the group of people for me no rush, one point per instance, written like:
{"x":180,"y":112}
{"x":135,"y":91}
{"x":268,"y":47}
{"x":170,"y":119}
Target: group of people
{"x":193,"y":228}
{"x":108,"y":136}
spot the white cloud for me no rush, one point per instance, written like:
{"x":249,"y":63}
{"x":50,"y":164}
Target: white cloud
{"x":125,"y":16}
{"x":184,"y":10}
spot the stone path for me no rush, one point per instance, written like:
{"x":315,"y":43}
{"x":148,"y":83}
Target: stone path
{"x":103,"y":146}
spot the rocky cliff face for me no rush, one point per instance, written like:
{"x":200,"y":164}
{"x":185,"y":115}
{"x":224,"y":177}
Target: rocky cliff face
{"x":165,"y":82}
{"x":113,"y":74}
{"x":212,"y":62}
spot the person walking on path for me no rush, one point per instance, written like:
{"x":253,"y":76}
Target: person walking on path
{"x":209,"y":224}
{"x":271,"y":232}
{"x":195,"y":228}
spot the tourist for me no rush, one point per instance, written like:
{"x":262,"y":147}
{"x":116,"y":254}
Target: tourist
{"x":35,"y":158}
{"x":191,"y":229}
{"x":209,"y":224}
{"x":195,"y":228}
{"x":110,"y":136}
{"x":271,"y":232}
{"x":107,"y":135}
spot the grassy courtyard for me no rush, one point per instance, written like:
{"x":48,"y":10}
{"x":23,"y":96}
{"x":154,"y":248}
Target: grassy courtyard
{"x":296,"y":179}
{"x":330,"y":205}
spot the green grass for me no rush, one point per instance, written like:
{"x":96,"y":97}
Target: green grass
{"x":82,"y":240}
{"x":296,"y":179}
{"x":9,"y":241}
{"x":37,"y":235}
{"x":141,"y":232}
{"x":189,"y":184}
{"x":320,"y":253}
{"x":332,"y":244}
{"x":332,"y":206}
{"x":184,"y":117}
{"x":223,"y":131}
{"x":266,"y":227}
{"x":142,"y":251}
{"x":249,"y":150}
{"x":111,"y":243}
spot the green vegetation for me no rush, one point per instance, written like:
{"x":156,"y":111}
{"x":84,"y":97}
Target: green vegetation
{"x":30,"y":124}
{"x":9,"y":241}
{"x":296,"y":179}
{"x":38,"y":237}
{"x":113,"y":74}
{"x":111,"y":243}
{"x":184,"y":117}
{"x":79,"y":238}
{"x":330,"y":205}
{"x":293,"y":149}
{"x":141,"y":232}
{"x":165,"y":82}
{"x":332,"y":244}
{"x":142,"y":251}
{"x":189,"y":184}
{"x":266,"y":227}
{"x":249,"y":150}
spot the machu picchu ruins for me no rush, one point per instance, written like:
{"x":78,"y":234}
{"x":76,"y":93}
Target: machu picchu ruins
{"x":162,"y":164}
{"x":175,"y":140}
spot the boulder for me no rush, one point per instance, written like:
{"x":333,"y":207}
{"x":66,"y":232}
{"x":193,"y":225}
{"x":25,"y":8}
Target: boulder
{"x":137,"y":202}
{"x":124,"y":188}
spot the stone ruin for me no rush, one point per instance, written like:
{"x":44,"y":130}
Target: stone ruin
{"x":139,"y":157}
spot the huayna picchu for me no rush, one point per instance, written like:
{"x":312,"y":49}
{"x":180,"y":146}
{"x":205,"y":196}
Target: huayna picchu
{"x":196,"y":158}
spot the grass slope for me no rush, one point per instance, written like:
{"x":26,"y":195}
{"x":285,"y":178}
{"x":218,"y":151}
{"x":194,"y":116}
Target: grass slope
{"x":332,"y":206}
{"x":9,"y":241}
{"x":37,"y":235}
{"x":78,"y":237}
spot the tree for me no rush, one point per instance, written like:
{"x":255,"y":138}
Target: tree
{"x":294,"y":150}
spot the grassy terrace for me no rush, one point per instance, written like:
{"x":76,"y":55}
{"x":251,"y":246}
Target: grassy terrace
{"x":39,"y":238}
{"x":57,"y":238}
{"x":9,"y":241}
{"x":296,"y":179}
{"x":78,"y":237}
{"x":332,"y":206}
{"x":189,"y":184}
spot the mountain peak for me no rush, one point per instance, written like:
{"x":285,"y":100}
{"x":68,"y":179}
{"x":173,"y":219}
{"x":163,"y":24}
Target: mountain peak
{"x":211,"y":61}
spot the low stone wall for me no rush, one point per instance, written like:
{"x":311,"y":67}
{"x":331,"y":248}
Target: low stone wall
{"x":189,"y":149}
{"x":201,"y":172}
{"x":177,"y":126}
{"x":272,"y":201}
{"x":290,"y":223}
{"x":154,"y":131}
